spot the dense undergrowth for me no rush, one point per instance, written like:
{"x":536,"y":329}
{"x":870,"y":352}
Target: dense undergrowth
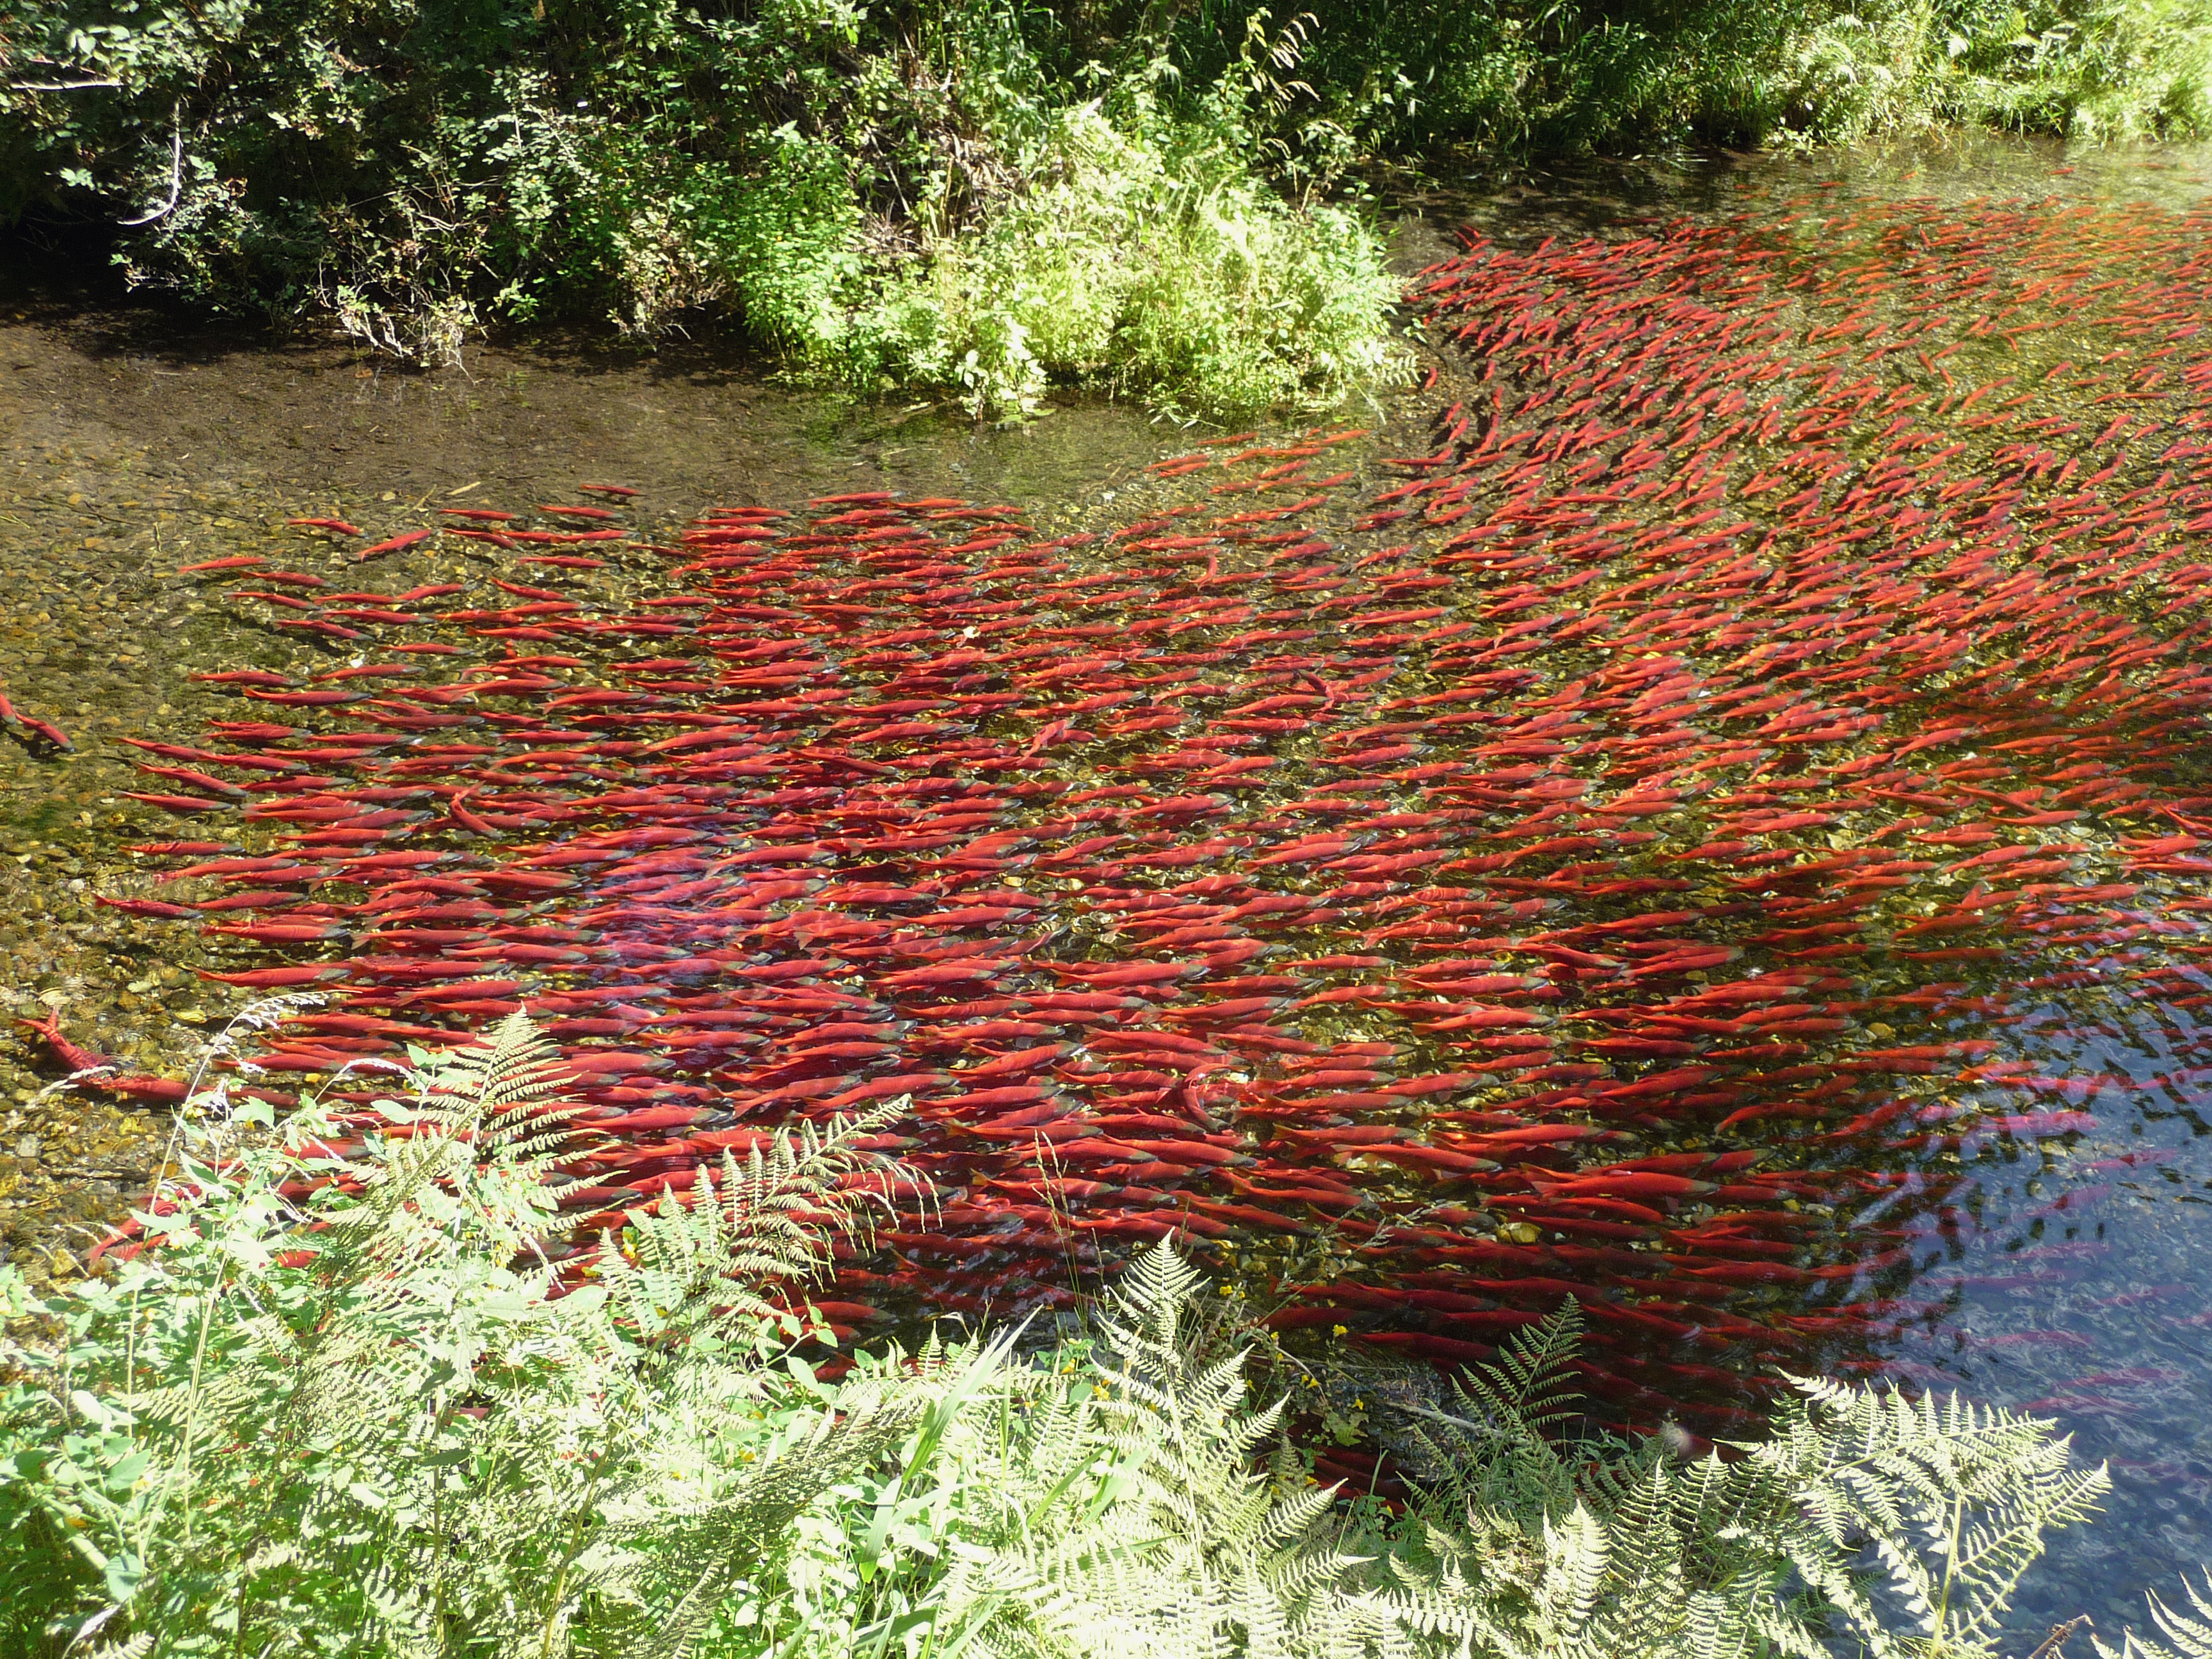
{"x":974,"y":197}
{"x":354,"y":1397}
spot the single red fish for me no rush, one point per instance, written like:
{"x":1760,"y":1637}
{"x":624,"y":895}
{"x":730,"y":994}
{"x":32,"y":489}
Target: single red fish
{"x":277,"y":976}
{"x":186,"y":804}
{"x":150,"y":908}
{"x":76,"y":1059}
{"x":42,"y":732}
{"x":198,"y":779}
{"x":395,"y":545}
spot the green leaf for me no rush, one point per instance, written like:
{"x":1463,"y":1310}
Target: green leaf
{"x":124,"y":1572}
{"x":16,"y":1300}
{"x":123,"y":1474}
{"x":90,"y":1407}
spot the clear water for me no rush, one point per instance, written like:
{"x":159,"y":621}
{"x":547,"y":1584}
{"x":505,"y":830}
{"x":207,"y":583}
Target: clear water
{"x":2060,"y":1269}
{"x":2065,"y":1275}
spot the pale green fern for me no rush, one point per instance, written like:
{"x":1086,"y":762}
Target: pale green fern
{"x":688,"y":1272}
{"x":2191,"y":1637}
{"x":1131,"y":1513}
{"x":1137,"y":1522}
{"x":344,"y":1405}
{"x":1622,"y":1549}
{"x":359,"y":1400}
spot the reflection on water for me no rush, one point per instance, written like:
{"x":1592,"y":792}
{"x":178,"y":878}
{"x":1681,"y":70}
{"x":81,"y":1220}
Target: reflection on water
{"x":1715,"y":816}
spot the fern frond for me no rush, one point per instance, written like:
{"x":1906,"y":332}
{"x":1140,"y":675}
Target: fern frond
{"x":1529,"y":1383}
{"x":503,"y":1099}
{"x":696,"y":1267}
{"x":2191,"y":1637}
{"x":1953,"y":1498}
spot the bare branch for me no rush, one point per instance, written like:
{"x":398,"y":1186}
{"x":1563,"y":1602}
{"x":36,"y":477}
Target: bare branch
{"x":176,"y":170}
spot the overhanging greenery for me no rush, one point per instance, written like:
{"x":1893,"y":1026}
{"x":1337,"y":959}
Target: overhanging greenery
{"x":978,"y":196}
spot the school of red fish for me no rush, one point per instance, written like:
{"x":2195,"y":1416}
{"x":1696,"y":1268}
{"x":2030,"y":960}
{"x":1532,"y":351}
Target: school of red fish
{"x":1590,"y":892}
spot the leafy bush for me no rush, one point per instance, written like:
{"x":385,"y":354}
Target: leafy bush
{"x":978,"y":196}
{"x":1155,"y":265}
{"x":1522,"y":77}
{"x":1591,"y":75}
{"x":1517,"y":78}
{"x":899,"y":199}
{"x":2090,"y":68}
{"x":357,"y":1395}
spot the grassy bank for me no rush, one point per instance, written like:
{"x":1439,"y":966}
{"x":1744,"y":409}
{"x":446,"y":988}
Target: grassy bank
{"x":365,"y":1390}
{"x":970,"y":198}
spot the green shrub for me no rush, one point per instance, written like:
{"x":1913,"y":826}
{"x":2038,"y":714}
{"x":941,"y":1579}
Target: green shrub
{"x":982,"y":198}
{"x":343,"y":1405}
{"x":2087,"y":69}
{"x":899,"y":199}
{"x":1534,"y":77}
{"x":1153,"y":264}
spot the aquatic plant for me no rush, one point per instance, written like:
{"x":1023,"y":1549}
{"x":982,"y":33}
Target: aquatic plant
{"x":332,"y":1404}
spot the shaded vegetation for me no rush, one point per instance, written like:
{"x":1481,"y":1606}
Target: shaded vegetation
{"x":982,"y":196}
{"x":362,"y":1394}
{"x":886,"y":198}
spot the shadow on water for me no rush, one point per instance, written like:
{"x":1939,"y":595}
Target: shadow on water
{"x":1978,"y":1103}
{"x":2062,"y":1274}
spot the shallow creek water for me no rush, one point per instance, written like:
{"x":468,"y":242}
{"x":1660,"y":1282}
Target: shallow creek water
{"x":135,"y":441}
{"x":1637,"y":770}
